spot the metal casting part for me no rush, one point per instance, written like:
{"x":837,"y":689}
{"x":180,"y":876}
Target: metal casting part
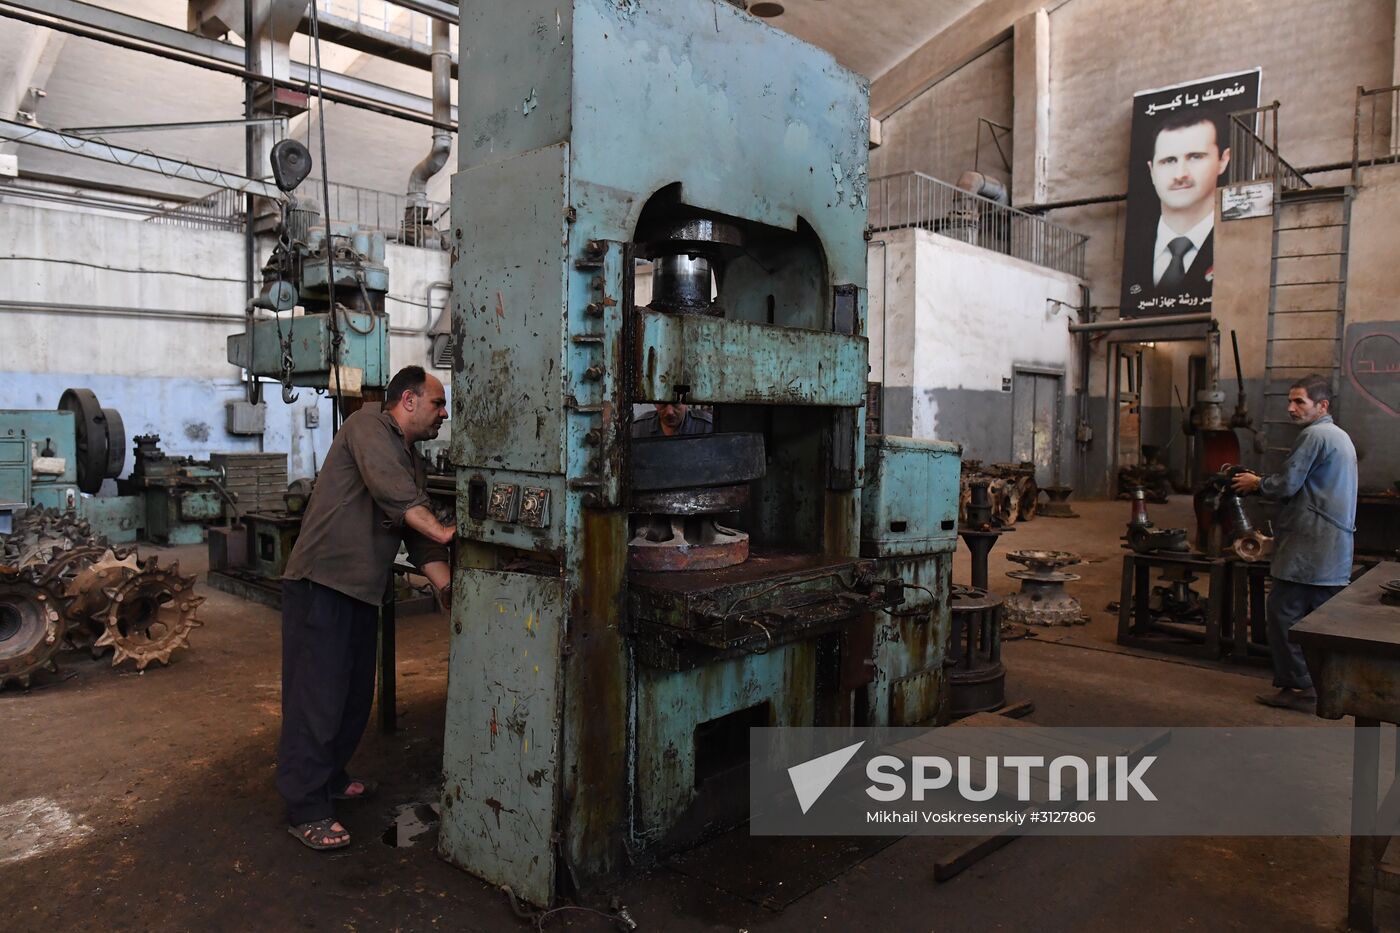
{"x":1043,"y":599}
{"x":31,"y":628}
{"x":669,"y":543}
{"x":150,"y":615}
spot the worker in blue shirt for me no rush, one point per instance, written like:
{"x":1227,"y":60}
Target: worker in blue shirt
{"x":1313,"y":542}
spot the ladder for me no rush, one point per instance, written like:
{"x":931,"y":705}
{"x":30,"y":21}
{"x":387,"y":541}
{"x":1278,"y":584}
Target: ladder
{"x":1307,"y":303}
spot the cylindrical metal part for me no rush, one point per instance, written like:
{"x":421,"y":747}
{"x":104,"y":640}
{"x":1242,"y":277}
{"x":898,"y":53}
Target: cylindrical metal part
{"x":1139,"y":498}
{"x":681,"y":284}
{"x":976,"y":675}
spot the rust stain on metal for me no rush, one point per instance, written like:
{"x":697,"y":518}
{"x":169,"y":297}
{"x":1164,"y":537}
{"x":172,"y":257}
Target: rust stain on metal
{"x":497,"y":807}
{"x":500,"y":306}
{"x":598,"y":699}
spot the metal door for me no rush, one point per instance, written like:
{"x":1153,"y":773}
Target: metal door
{"x":1035,"y":421}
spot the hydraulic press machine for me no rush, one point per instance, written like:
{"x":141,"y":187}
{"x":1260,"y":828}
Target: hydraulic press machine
{"x":626,"y":610}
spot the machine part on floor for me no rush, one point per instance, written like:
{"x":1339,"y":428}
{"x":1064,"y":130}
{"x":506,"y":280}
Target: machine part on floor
{"x":976,"y":675}
{"x":1043,"y":599}
{"x":31,"y":627}
{"x":87,"y":594}
{"x":1058,"y":506}
{"x":1011,"y":488}
{"x":39,"y":535}
{"x":182,"y":494}
{"x":149,"y":616}
{"x":1144,"y":537}
{"x":1223,"y":525}
{"x":100,"y":438}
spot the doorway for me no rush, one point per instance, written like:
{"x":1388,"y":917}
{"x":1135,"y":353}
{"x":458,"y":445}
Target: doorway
{"x":1037,"y":397}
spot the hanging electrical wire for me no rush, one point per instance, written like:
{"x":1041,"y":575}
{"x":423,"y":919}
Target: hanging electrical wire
{"x":337,"y":339}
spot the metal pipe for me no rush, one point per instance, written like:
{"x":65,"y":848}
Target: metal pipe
{"x":442,"y":138}
{"x":1161,"y":320}
{"x":49,"y":307}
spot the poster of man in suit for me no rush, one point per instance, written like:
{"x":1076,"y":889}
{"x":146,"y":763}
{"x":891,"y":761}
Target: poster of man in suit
{"x":1179,"y":153}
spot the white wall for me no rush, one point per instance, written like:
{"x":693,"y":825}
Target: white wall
{"x":952,"y":321}
{"x":98,"y":302}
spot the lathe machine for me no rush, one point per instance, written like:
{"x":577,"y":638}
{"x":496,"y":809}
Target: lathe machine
{"x":625,"y":611}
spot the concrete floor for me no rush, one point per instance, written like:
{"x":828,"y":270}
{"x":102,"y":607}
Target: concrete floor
{"x":154,"y":794}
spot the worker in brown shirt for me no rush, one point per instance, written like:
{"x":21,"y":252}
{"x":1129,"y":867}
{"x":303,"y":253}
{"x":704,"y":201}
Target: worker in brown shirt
{"x":369,"y":497}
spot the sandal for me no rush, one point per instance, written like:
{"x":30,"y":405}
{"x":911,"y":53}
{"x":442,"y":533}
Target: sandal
{"x":367,"y":789}
{"x":321,"y":835}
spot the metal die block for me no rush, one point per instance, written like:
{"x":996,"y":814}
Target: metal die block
{"x":683,"y":619}
{"x":740,"y":361}
{"x":534,"y":507}
{"x":909,"y":505}
{"x":505,"y":503}
{"x":501,"y":745}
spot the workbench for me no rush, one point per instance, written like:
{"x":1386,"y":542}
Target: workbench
{"x":1352,"y":645}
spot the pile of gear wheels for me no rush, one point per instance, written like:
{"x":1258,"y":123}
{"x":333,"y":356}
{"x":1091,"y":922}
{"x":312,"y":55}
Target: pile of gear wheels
{"x":61,"y":589}
{"x":1011,"y":486}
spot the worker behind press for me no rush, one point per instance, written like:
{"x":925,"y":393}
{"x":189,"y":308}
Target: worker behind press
{"x":369,"y":497}
{"x":1313,"y":535}
{"x":673,"y":420}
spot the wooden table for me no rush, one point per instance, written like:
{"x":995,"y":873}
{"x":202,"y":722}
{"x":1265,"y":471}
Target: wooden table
{"x":1352,"y":645}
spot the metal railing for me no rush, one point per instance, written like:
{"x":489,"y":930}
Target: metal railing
{"x":383,"y":16}
{"x":1375,"y":137}
{"x":222,"y":210}
{"x":1254,"y":151}
{"x":368,"y":208}
{"x":913,"y":199}
{"x":364,"y":207}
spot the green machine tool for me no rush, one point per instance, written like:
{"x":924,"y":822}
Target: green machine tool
{"x":625,"y":611}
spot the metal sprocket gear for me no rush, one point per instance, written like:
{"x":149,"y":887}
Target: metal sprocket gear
{"x":31,"y":627}
{"x":149,"y":615}
{"x":85,"y":588}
